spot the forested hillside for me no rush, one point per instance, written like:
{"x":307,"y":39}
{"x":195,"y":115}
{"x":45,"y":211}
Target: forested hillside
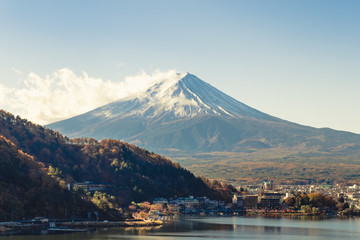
{"x":129,"y":172}
{"x":27,"y":190}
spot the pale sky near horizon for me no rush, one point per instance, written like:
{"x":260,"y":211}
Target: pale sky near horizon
{"x":297,"y":60}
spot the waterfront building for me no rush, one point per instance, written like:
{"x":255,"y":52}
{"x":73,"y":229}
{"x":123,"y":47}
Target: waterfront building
{"x":238,"y":200}
{"x":270,"y":199}
{"x":250,"y":201}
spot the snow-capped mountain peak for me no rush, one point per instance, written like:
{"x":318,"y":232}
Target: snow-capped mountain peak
{"x":183,"y":96}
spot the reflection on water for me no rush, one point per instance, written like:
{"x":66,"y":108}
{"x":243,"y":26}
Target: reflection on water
{"x":223,"y":228}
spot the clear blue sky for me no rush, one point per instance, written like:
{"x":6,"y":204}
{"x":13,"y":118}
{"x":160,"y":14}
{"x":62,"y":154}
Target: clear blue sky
{"x":297,"y":60}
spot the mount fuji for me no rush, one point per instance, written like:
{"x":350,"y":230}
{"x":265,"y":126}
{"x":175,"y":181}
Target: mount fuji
{"x":186,"y":114}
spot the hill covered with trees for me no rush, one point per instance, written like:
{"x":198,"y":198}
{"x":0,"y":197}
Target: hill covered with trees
{"x":48,"y":160}
{"x":27,"y":190}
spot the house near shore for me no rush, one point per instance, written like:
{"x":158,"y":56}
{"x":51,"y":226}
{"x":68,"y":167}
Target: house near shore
{"x":266,"y":199}
{"x":270,"y":199}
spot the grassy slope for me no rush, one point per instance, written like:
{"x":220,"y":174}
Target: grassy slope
{"x":284,"y":165}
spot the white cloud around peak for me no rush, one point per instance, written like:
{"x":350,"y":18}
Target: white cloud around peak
{"x":64,"y":94}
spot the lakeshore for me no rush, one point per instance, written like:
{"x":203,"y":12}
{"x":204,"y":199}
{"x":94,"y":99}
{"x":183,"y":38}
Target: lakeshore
{"x":24,"y":227}
{"x":221,"y":227}
{"x":61,"y":227}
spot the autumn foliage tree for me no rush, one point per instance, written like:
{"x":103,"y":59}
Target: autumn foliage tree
{"x":312,"y":200}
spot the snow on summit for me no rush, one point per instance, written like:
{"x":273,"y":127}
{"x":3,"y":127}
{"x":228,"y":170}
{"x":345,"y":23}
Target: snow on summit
{"x":180,"y":95}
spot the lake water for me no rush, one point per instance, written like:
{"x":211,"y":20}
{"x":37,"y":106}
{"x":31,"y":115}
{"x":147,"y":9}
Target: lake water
{"x":223,"y":228}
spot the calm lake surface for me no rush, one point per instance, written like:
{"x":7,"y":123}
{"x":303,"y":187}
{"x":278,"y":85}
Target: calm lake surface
{"x":224,"y":228}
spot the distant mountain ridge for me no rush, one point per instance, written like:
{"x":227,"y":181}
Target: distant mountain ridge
{"x":185,"y":113}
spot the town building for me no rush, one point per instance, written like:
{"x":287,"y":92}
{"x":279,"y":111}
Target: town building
{"x":238,"y":201}
{"x":250,"y":201}
{"x":270,"y":199}
{"x":268,"y":185}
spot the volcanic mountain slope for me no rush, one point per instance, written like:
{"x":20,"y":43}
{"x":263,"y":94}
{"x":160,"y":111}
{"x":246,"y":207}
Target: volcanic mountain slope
{"x":185,"y":113}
